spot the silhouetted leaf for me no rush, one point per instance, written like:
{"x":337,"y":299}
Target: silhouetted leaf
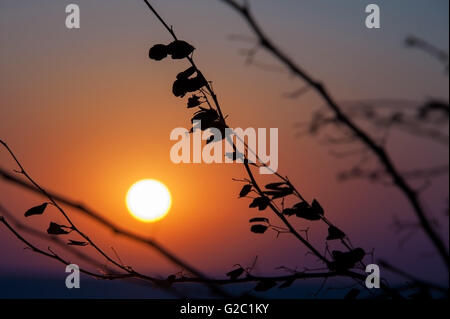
{"x":37,"y":210}
{"x":316,"y":207}
{"x":335,"y":233}
{"x":55,"y":229}
{"x":352,"y":294}
{"x":301,"y":206}
{"x":259,"y":219}
{"x":287,"y":283}
{"x":182,"y":86}
{"x":77,"y":243}
{"x":303,"y":210}
{"x":187,"y":73}
{"x":280,"y":192}
{"x":245,"y":190}
{"x":158,"y":52}
{"x":254,"y":203}
{"x":193,"y":101}
{"x":264,"y":202}
{"x":258,"y":229}
{"x":260,"y":202}
{"x":265,"y":285}
{"x":179,"y":88}
{"x":346,"y":260}
{"x":358,"y":254}
{"x":289,"y":211}
{"x":275,"y":186}
{"x":234,"y":274}
{"x":179,"y":49}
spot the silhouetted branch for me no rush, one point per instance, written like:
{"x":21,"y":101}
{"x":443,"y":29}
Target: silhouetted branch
{"x":34,"y":186}
{"x":116,"y":230}
{"x":311,"y":211}
{"x":54,"y":239}
{"x":378,"y":151}
{"x":161,"y":283}
{"x":222,"y":120}
{"x":53,"y":255}
{"x":340,"y":263}
{"x":183,"y":279}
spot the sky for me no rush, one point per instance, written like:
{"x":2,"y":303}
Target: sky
{"x":89,"y":114}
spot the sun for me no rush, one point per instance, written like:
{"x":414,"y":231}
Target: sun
{"x":148,"y":200}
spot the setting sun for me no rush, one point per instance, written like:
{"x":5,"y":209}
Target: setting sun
{"x":148,"y":200}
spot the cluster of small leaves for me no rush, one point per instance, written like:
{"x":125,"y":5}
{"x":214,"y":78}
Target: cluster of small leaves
{"x":176,"y":49}
{"x":301,"y":210}
{"x":304,"y":210}
{"x":54,"y":228}
{"x":190,"y":81}
{"x":352,"y":294}
{"x":186,"y":83}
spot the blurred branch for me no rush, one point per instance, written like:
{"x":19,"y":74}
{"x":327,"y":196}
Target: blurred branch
{"x":423,"y":173}
{"x":429,"y":120}
{"x":440,"y":55}
{"x":160,"y":282}
{"x":378,"y":151}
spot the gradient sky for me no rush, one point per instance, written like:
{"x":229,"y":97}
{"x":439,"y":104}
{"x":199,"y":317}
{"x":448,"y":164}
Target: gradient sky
{"x":88,"y":114}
